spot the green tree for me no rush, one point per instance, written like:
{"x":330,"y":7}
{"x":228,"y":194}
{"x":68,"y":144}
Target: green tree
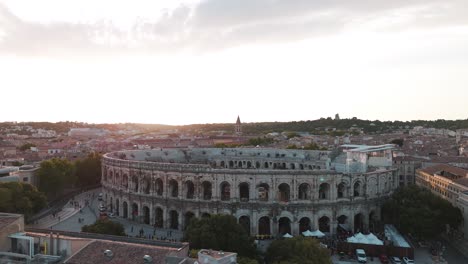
{"x":300,"y":250}
{"x":88,"y":170}
{"x":418,"y":211}
{"x":220,"y":232}
{"x":397,"y":141}
{"x":55,"y":175}
{"x":105,"y":226}
{"x":26,"y":146}
{"x":21,"y":198}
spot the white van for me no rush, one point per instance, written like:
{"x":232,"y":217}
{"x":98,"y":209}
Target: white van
{"x":361,"y":256}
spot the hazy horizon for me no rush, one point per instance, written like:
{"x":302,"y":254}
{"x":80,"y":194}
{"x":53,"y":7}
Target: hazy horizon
{"x":207,"y":61}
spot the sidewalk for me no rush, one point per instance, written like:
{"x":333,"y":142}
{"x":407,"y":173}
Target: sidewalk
{"x":133,"y":228}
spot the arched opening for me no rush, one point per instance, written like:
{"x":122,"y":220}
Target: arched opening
{"x":225,"y":191}
{"x":174,"y":219}
{"x":249,"y":164}
{"x":292,"y":166}
{"x":244,"y":192}
{"x":135,"y":183}
{"x":206,"y":190}
{"x":244,"y":221}
{"x":117,"y":207}
{"x":284,"y":226}
{"x":189,"y":190}
{"x":125,"y":181}
{"x":284,"y":192}
{"x":301,"y":166}
{"x":146,"y":215}
{"x":159,"y":187}
{"x":257,"y":165}
{"x":231,"y":164}
{"x":304,"y":190}
{"x":324,"y":191}
{"x":125,"y":210}
{"x":264,"y":226}
{"x":173,"y":188}
{"x":205,"y":215}
{"x":372,"y":221}
{"x":134,"y":211}
{"x":188,"y":216}
{"x":222,"y":165}
{"x":158,"y":217}
{"x":263,"y":190}
{"x":343,"y":226}
{"x":358,"y":223}
{"x":266,"y":165}
{"x":324,"y":224}
{"x":341,"y":190}
{"x":146,"y":185}
{"x":357,"y":189}
{"x":304,"y":224}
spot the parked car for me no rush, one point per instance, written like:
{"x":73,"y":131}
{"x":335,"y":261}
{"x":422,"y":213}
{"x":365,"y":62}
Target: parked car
{"x":111,"y":215}
{"x":407,"y":260}
{"x":383,"y":259}
{"x":361,"y":255}
{"x":395,"y":260}
{"x":100,"y":197}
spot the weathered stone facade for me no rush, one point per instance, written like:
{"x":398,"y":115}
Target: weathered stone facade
{"x":270,"y":191}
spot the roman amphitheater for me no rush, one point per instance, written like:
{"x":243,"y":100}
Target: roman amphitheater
{"x":269,"y":191}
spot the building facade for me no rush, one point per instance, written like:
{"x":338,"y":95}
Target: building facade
{"x":269,"y":191}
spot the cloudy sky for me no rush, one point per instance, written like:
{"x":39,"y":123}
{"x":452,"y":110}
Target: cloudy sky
{"x":181,"y":62}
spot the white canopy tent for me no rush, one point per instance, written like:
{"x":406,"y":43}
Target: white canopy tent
{"x":287,"y":235}
{"x":307,"y":233}
{"x":370,"y":239}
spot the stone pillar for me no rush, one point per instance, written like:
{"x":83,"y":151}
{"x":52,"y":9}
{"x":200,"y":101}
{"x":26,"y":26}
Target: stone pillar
{"x":254,"y":223}
{"x":295,"y":227}
{"x":180,"y":219}
{"x":165,"y":218}
{"x":333,"y":226}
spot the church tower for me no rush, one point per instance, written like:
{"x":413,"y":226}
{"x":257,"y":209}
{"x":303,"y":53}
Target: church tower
{"x":238,"y":127}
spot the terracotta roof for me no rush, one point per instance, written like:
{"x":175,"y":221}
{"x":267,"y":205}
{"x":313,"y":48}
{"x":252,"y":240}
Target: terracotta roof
{"x":443,"y":167}
{"x":123,"y":253}
{"x":462,"y":181}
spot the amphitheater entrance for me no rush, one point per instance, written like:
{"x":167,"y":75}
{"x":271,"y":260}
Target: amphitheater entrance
{"x":225,"y":191}
{"x":244,"y":221}
{"x":244,"y":192}
{"x":284,"y":192}
{"x":263,"y":190}
{"x":134,"y":211}
{"x":264,"y":226}
{"x":125,"y":210}
{"x":117,"y":207}
{"x":146,"y":215}
{"x":324,"y":191}
{"x":158,"y":217}
{"x":358,"y":223}
{"x":324,"y":224}
{"x":189,"y":190}
{"x":284,"y":226}
{"x":207,"y":190}
{"x":173,"y":188}
{"x":304,"y":190}
{"x":174,"y":219}
{"x":304,"y":224}
{"x":187,"y":218}
{"x":159,"y":187}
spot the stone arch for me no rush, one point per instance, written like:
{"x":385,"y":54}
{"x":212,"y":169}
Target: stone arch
{"x":304,"y":224}
{"x":324,"y":224}
{"x":189,"y":190}
{"x":304,"y":191}
{"x":324,"y":191}
{"x":134,"y":211}
{"x":159,"y":217}
{"x":207,"y":190}
{"x":244,"y":221}
{"x":257,"y":165}
{"x":264,"y":226}
{"x":187,"y":217}
{"x":266,"y":165}
{"x":284,"y":226}
{"x":173,"y":188}
{"x":146,"y":215}
{"x":249,"y":164}
{"x":146,"y":185}
{"x":231,"y":164}
{"x":284,"y":192}
{"x":173,"y":219}
{"x":222,"y":165}
{"x":125,"y":209}
{"x":159,"y":187}
{"x":358,"y":222}
{"x":244,"y":192}
{"x":263,"y":191}
{"x":135,"y":183}
{"x":125,"y":181}
{"x":357,"y":189}
{"x":225,"y":188}
{"x":292,"y":166}
{"x":341,"y":190}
